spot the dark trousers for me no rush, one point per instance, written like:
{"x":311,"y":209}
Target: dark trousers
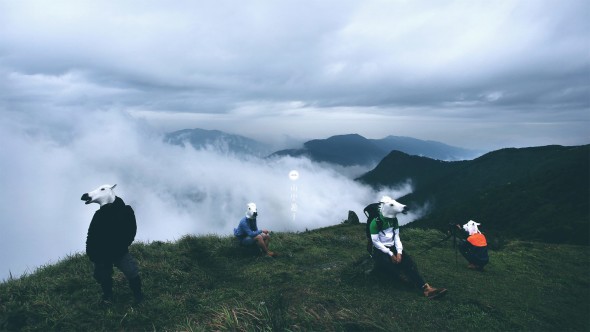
{"x":474,"y":255}
{"x":103,"y":274}
{"x":407,"y":265}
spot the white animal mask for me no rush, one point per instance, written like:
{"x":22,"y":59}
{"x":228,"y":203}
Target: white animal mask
{"x":385,"y":199}
{"x":390,"y":207}
{"x":101,"y":195}
{"x":471,"y":227}
{"x":251,"y":213}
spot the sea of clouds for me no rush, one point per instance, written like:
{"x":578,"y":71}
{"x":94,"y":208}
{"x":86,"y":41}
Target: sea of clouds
{"x":50,"y":160}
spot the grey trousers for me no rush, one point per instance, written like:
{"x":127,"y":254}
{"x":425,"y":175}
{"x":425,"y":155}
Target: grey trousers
{"x":127,"y":264}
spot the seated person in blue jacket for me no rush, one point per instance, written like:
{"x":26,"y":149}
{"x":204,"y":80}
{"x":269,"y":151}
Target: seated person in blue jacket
{"x":475,"y":247}
{"x":248,"y":233}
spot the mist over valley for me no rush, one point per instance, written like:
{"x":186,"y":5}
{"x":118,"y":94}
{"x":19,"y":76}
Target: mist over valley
{"x":175,"y":190}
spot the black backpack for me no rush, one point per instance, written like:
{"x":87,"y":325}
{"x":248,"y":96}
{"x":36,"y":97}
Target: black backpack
{"x":372,"y":212}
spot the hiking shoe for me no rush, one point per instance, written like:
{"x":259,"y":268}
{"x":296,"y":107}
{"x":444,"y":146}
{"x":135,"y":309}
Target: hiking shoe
{"x":433,"y":293}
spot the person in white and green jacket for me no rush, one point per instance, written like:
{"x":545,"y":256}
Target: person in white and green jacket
{"x":388,"y":252}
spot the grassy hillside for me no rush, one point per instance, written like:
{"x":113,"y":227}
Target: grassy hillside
{"x":318,"y":283}
{"x":540,"y":193}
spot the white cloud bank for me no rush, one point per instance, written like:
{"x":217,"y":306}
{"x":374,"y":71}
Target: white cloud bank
{"x":47,"y":166}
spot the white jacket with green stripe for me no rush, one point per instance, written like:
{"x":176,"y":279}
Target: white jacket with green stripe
{"x":388,"y":237}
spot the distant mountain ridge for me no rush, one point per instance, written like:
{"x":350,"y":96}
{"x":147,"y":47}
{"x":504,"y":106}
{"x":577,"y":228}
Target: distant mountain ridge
{"x":537,"y":193}
{"x":224,"y":142}
{"x":344,"y":150}
{"x":354,"y":149}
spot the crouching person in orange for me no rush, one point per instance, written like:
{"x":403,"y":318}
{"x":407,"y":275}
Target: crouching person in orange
{"x":475,"y":247}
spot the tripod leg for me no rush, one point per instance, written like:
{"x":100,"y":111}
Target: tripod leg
{"x":455,"y":245}
{"x":434,"y":245}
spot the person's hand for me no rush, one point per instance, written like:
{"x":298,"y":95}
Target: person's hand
{"x":396,"y":259}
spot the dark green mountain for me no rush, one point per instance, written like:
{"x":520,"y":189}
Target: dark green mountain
{"x":354,"y":149}
{"x":430,"y":149}
{"x":539,"y":193}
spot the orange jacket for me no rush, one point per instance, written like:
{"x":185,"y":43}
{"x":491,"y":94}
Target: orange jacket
{"x":477,"y":240}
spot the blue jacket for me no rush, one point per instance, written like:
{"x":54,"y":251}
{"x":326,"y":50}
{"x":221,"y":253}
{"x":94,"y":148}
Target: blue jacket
{"x":247,"y":227}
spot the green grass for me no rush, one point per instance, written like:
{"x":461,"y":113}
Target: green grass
{"x":319,"y":282}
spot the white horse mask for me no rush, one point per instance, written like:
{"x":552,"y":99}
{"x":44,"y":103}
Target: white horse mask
{"x":390,"y":207}
{"x":251,"y":213}
{"x":101,"y":195}
{"x":471,"y":227}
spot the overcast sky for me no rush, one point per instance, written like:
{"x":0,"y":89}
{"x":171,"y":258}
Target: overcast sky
{"x":476,"y":74}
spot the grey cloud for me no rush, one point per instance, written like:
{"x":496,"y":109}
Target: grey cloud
{"x":174,"y":191}
{"x":202,"y":58}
